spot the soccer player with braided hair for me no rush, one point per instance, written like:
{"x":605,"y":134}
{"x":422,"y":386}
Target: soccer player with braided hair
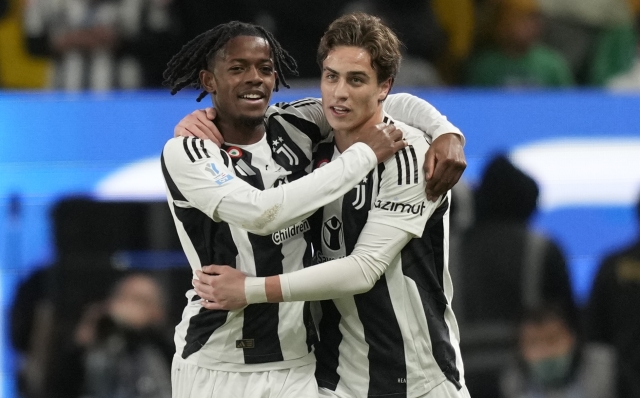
{"x":246,"y":204}
{"x":183,"y":70}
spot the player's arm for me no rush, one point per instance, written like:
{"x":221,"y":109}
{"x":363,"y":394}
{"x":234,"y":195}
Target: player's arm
{"x":378,"y":246}
{"x":444,"y":162}
{"x":224,"y":287}
{"x":197,"y":176}
{"x":420,"y":114}
{"x":386,"y":232}
{"x":404,"y":107}
{"x":199,"y":123}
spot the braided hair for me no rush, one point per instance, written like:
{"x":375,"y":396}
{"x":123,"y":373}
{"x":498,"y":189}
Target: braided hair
{"x":184,"y":68}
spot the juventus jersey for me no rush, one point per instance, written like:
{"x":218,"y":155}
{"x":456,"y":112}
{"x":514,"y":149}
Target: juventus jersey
{"x":268,"y":336}
{"x":262,"y":336}
{"x":400,"y":339}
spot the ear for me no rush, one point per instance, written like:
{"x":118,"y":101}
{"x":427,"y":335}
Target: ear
{"x":208,"y":81}
{"x":385,"y":87}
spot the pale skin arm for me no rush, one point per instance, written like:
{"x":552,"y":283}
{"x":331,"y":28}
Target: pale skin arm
{"x":443,"y":166}
{"x":223,"y":287}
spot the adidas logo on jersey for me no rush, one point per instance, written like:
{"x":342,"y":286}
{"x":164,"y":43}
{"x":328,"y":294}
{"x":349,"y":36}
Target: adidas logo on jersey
{"x":246,"y":343}
{"x":400,"y":207}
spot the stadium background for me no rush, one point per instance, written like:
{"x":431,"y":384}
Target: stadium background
{"x":582,"y":146}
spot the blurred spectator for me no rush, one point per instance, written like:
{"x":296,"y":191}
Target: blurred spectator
{"x":417,"y":26}
{"x":595,"y":36}
{"x":18,"y":68}
{"x":457,"y":18}
{"x":126,"y":353}
{"x":298,"y":25}
{"x":612,"y":312}
{"x":554,"y":362}
{"x":120,"y":347}
{"x":413,"y":20}
{"x":461,"y":218}
{"x":103,"y":44}
{"x":515,"y":55}
{"x":91,"y":253}
{"x":630,"y":79}
{"x":505,"y":267}
{"x":32,"y":322}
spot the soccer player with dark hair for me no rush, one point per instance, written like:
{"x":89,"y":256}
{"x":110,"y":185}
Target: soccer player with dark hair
{"x":221,"y":208}
{"x":389,"y":329}
{"x":224,"y":199}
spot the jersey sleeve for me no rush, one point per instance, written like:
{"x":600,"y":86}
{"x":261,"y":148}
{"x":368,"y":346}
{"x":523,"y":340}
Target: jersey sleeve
{"x":401,"y":201}
{"x":197,"y":174}
{"x":420,"y":114}
{"x":377,"y":247}
{"x":208,"y":184}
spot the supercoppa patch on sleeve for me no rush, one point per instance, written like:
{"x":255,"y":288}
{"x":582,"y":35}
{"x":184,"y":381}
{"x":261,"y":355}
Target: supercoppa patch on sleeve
{"x":215,"y":172}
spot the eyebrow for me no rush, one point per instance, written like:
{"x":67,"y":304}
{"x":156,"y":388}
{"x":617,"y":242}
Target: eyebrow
{"x":350,"y":74}
{"x":245,"y":60}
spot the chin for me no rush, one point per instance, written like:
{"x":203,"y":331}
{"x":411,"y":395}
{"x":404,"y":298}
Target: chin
{"x":251,"y":120}
{"x":341,"y":125}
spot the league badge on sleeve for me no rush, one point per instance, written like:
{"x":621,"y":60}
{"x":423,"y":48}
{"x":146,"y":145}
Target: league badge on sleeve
{"x":219,"y":177}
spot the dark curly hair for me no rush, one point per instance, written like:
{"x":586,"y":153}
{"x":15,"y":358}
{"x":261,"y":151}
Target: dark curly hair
{"x":184,"y":68}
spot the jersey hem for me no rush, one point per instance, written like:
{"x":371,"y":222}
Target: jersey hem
{"x":241,"y":367}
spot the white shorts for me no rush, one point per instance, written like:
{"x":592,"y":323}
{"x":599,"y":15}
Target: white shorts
{"x":443,"y":390}
{"x":191,"y":381}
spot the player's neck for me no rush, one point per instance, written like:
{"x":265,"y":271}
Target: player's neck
{"x":240,"y":132}
{"x":346,"y":138}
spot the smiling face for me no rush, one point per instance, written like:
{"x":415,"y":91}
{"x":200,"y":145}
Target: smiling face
{"x":241,"y":78}
{"x":351,"y":94}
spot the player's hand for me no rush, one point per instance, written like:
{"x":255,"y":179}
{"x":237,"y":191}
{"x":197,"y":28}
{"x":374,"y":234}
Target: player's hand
{"x":220,"y":287}
{"x":384,"y":139}
{"x":444,"y":164}
{"x":199,"y":123}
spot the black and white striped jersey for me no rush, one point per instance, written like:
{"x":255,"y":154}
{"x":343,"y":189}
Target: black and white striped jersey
{"x":198,"y":176}
{"x":400,"y":339}
{"x":201,"y":177}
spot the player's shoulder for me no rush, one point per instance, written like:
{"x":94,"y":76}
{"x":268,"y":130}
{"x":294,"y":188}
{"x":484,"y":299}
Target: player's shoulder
{"x":190,"y":149}
{"x":405,"y":166}
{"x":173,"y":146}
{"x":413,"y":135}
{"x":297,"y":108}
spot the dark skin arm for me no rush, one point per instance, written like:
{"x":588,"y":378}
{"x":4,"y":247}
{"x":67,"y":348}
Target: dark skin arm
{"x":444,"y":164}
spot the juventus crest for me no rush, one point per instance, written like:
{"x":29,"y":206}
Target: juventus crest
{"x":280,"y":147}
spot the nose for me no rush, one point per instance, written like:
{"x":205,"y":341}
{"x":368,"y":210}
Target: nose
{"x":253,"y":76}
{"x":341,"y":91}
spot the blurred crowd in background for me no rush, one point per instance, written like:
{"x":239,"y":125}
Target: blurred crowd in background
{"x":97,"y":331}
{"x":92,"y":326}
{"x":125,"y":44}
